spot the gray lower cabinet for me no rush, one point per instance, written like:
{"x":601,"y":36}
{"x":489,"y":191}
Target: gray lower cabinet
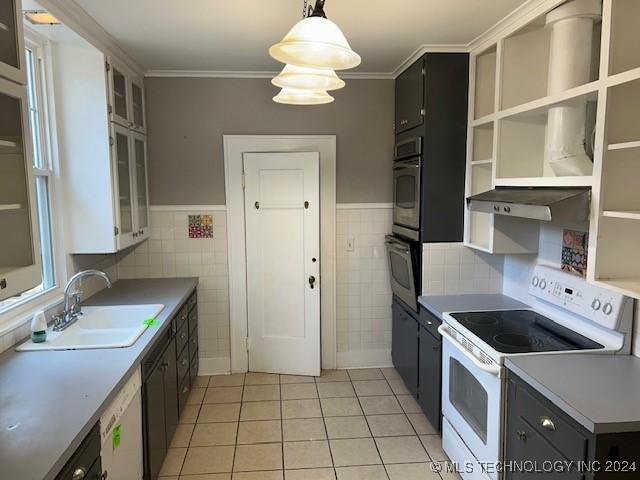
{"x":404,"y":345}
{"x":168,"y":372}
{"x":430,"y":375}
{"x":541,"y":434}
{"x":85,"y":463}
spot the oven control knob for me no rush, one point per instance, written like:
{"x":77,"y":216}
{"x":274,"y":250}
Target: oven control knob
{"x":543,"y":284}
{"x":607,"y":309}
{"x":596,"y":304}
{"x":535,"y":281}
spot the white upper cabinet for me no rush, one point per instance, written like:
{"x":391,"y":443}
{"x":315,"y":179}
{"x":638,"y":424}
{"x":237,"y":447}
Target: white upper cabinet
{"x":105,"y":171}
{"x":12,"y":64}
{"x":19,"y":255}
{"x":126,"y":97}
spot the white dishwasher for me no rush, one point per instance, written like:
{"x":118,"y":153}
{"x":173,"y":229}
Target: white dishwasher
{"x":121,"y":433}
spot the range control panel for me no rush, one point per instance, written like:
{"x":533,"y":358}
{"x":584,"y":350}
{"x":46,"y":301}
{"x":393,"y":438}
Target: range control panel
{"x":576,"y":295}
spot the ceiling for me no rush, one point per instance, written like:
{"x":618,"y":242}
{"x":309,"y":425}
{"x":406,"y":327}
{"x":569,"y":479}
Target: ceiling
{"x":232,"y":35}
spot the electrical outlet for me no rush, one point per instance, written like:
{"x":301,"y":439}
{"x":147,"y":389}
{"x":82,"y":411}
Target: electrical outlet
{"x":350,"y":244}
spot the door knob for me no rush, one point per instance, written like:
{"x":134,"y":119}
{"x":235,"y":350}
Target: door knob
{"x":79,"y":473}
{"x":312,"y":281}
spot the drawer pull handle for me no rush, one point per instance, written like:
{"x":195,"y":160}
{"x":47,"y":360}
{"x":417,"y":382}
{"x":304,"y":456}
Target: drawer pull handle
{"x":547,"y":423}
{"x":79,"y":473}
{"x":521,"y":435}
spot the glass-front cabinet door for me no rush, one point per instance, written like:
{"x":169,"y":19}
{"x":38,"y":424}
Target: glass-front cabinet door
{"x":119,"y":95}
{"x":19,"y":255}
{"x":123,"y":186}
{"x":137,"y":106}
{"x":11,"y":41}
{"x":142,"y":193}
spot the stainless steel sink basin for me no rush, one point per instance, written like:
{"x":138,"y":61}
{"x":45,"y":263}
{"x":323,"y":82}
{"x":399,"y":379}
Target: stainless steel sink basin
{"x":100,"y":327}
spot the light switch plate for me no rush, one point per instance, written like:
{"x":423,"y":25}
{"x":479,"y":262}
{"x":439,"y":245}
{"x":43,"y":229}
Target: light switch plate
{"x":350,"y":243}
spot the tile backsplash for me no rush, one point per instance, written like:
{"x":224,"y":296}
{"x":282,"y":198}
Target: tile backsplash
{"x":452,"y":269}
{"x":170,"y":252}
{"x":363,"y":300}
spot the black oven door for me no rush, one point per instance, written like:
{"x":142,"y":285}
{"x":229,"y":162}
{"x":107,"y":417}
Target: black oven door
{"x":402,"y":271}
{"x":406,"y":193}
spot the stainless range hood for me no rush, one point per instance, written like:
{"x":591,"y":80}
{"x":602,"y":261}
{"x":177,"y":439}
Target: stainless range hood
{"x":568,"y":205}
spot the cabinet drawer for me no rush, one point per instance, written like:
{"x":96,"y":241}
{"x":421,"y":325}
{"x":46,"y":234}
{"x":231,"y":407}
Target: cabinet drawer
{"x":86,"y":457}
{"x":183,"y":365}
{"x":430,"y":322}
{"x":183,"y":392}
{"x":193,"y":319}
{"x":193,"y":344}
{"x":193,"y":300}
{"x":525,"y":444}
{"x":182,"y":337}
{"x":182,"y":316}
{"x":549,"y":424}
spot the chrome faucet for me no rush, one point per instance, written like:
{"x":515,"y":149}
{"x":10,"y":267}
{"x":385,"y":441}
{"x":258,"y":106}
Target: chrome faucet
{"x":70,"y":313}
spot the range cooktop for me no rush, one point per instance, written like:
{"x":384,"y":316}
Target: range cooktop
{"x":523,"y":331}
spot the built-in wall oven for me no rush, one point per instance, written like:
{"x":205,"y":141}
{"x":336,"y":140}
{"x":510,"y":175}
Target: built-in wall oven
{"x":404,"y":263}
{"x":407,"y":166}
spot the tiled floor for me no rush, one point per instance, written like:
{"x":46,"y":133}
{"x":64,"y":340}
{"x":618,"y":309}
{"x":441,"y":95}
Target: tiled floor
{"x":344,"y":425}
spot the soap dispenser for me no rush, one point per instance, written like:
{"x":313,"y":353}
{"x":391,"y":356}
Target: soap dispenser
{"x":39,"y":327}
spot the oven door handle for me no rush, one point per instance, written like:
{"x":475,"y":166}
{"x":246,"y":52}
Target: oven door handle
{"x":396,"y":247}
{"x":492,"y":369}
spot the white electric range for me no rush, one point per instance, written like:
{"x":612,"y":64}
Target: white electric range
{"x":568,"y":315}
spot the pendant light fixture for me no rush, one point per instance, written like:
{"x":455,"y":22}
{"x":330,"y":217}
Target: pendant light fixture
{"x":312,"y":50}
{"x":315,"y":41}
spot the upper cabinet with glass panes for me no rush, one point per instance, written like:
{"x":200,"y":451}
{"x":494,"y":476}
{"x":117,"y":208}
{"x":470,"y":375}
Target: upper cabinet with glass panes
{"x":12,"y":64}
{"x":126,"y":97}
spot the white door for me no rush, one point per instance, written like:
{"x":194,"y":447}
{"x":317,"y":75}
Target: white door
{"x":282,"y":214}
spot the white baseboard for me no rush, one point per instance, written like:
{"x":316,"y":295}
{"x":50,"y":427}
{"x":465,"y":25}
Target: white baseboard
{"x":214,"y":366}
{"x":365,"y":359}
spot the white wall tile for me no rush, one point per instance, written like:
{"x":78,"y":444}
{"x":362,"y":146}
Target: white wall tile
{"x":452,"y":268}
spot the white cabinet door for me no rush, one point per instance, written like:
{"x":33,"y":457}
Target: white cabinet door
{"x":123,"y":186}
{"x":282,"y":213}
{"x":19,"y":254}
{"x":139,"y":155}
{"x":12,"y":64}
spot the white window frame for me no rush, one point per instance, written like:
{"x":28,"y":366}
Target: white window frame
{"x":22,"y":311}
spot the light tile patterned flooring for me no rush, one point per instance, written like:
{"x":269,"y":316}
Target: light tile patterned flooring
{"x":344,"y":425}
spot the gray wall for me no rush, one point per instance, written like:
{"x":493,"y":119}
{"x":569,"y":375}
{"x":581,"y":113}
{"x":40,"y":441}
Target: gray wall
{"x":187,"y":118}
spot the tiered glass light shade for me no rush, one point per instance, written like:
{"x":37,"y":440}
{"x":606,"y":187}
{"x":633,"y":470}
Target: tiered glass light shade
{"x":295,"y":96}
{"x":313,"y":49}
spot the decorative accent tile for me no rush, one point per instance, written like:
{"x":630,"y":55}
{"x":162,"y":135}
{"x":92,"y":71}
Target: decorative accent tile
{"x":574,"y":252}
{"x":200,"y":226}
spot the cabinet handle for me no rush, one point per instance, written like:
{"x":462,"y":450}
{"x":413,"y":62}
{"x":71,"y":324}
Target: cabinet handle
{"x":104,"y":475}
{"x":184,"y":361}
{"x":164,"y":365}
{"x":185,"y":389}
{"x":547,"y":423}
{"x":183,"y":335}
{"x":521,"y":435}
{"x":79,"y":473}
{"x":3,"y":283}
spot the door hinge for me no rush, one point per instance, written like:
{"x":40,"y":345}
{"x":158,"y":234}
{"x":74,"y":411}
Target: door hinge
{"x":109,"y":109}
{"x":243,"y":181}
{"x":107,"y":66}
{"x":116,"y":231}
{"x":248,"y":343}
{"x":422,"y":112}
{"x":110,"y":141}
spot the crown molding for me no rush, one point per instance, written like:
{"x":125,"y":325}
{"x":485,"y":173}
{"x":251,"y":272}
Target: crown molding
{"x":511,"y":22}
{"x":75,"y":17}
{"x":254,"y":74}
{"x":422,"y":49}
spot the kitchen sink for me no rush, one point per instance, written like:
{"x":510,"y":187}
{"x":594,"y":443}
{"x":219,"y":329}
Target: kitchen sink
{"x":114,"y":326}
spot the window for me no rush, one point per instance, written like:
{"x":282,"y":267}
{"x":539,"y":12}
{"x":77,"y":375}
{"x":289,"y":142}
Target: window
{"x":43,"y":174}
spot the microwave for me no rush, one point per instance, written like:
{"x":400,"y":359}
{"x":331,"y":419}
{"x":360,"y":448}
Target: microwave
{"x":407,"y":168}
